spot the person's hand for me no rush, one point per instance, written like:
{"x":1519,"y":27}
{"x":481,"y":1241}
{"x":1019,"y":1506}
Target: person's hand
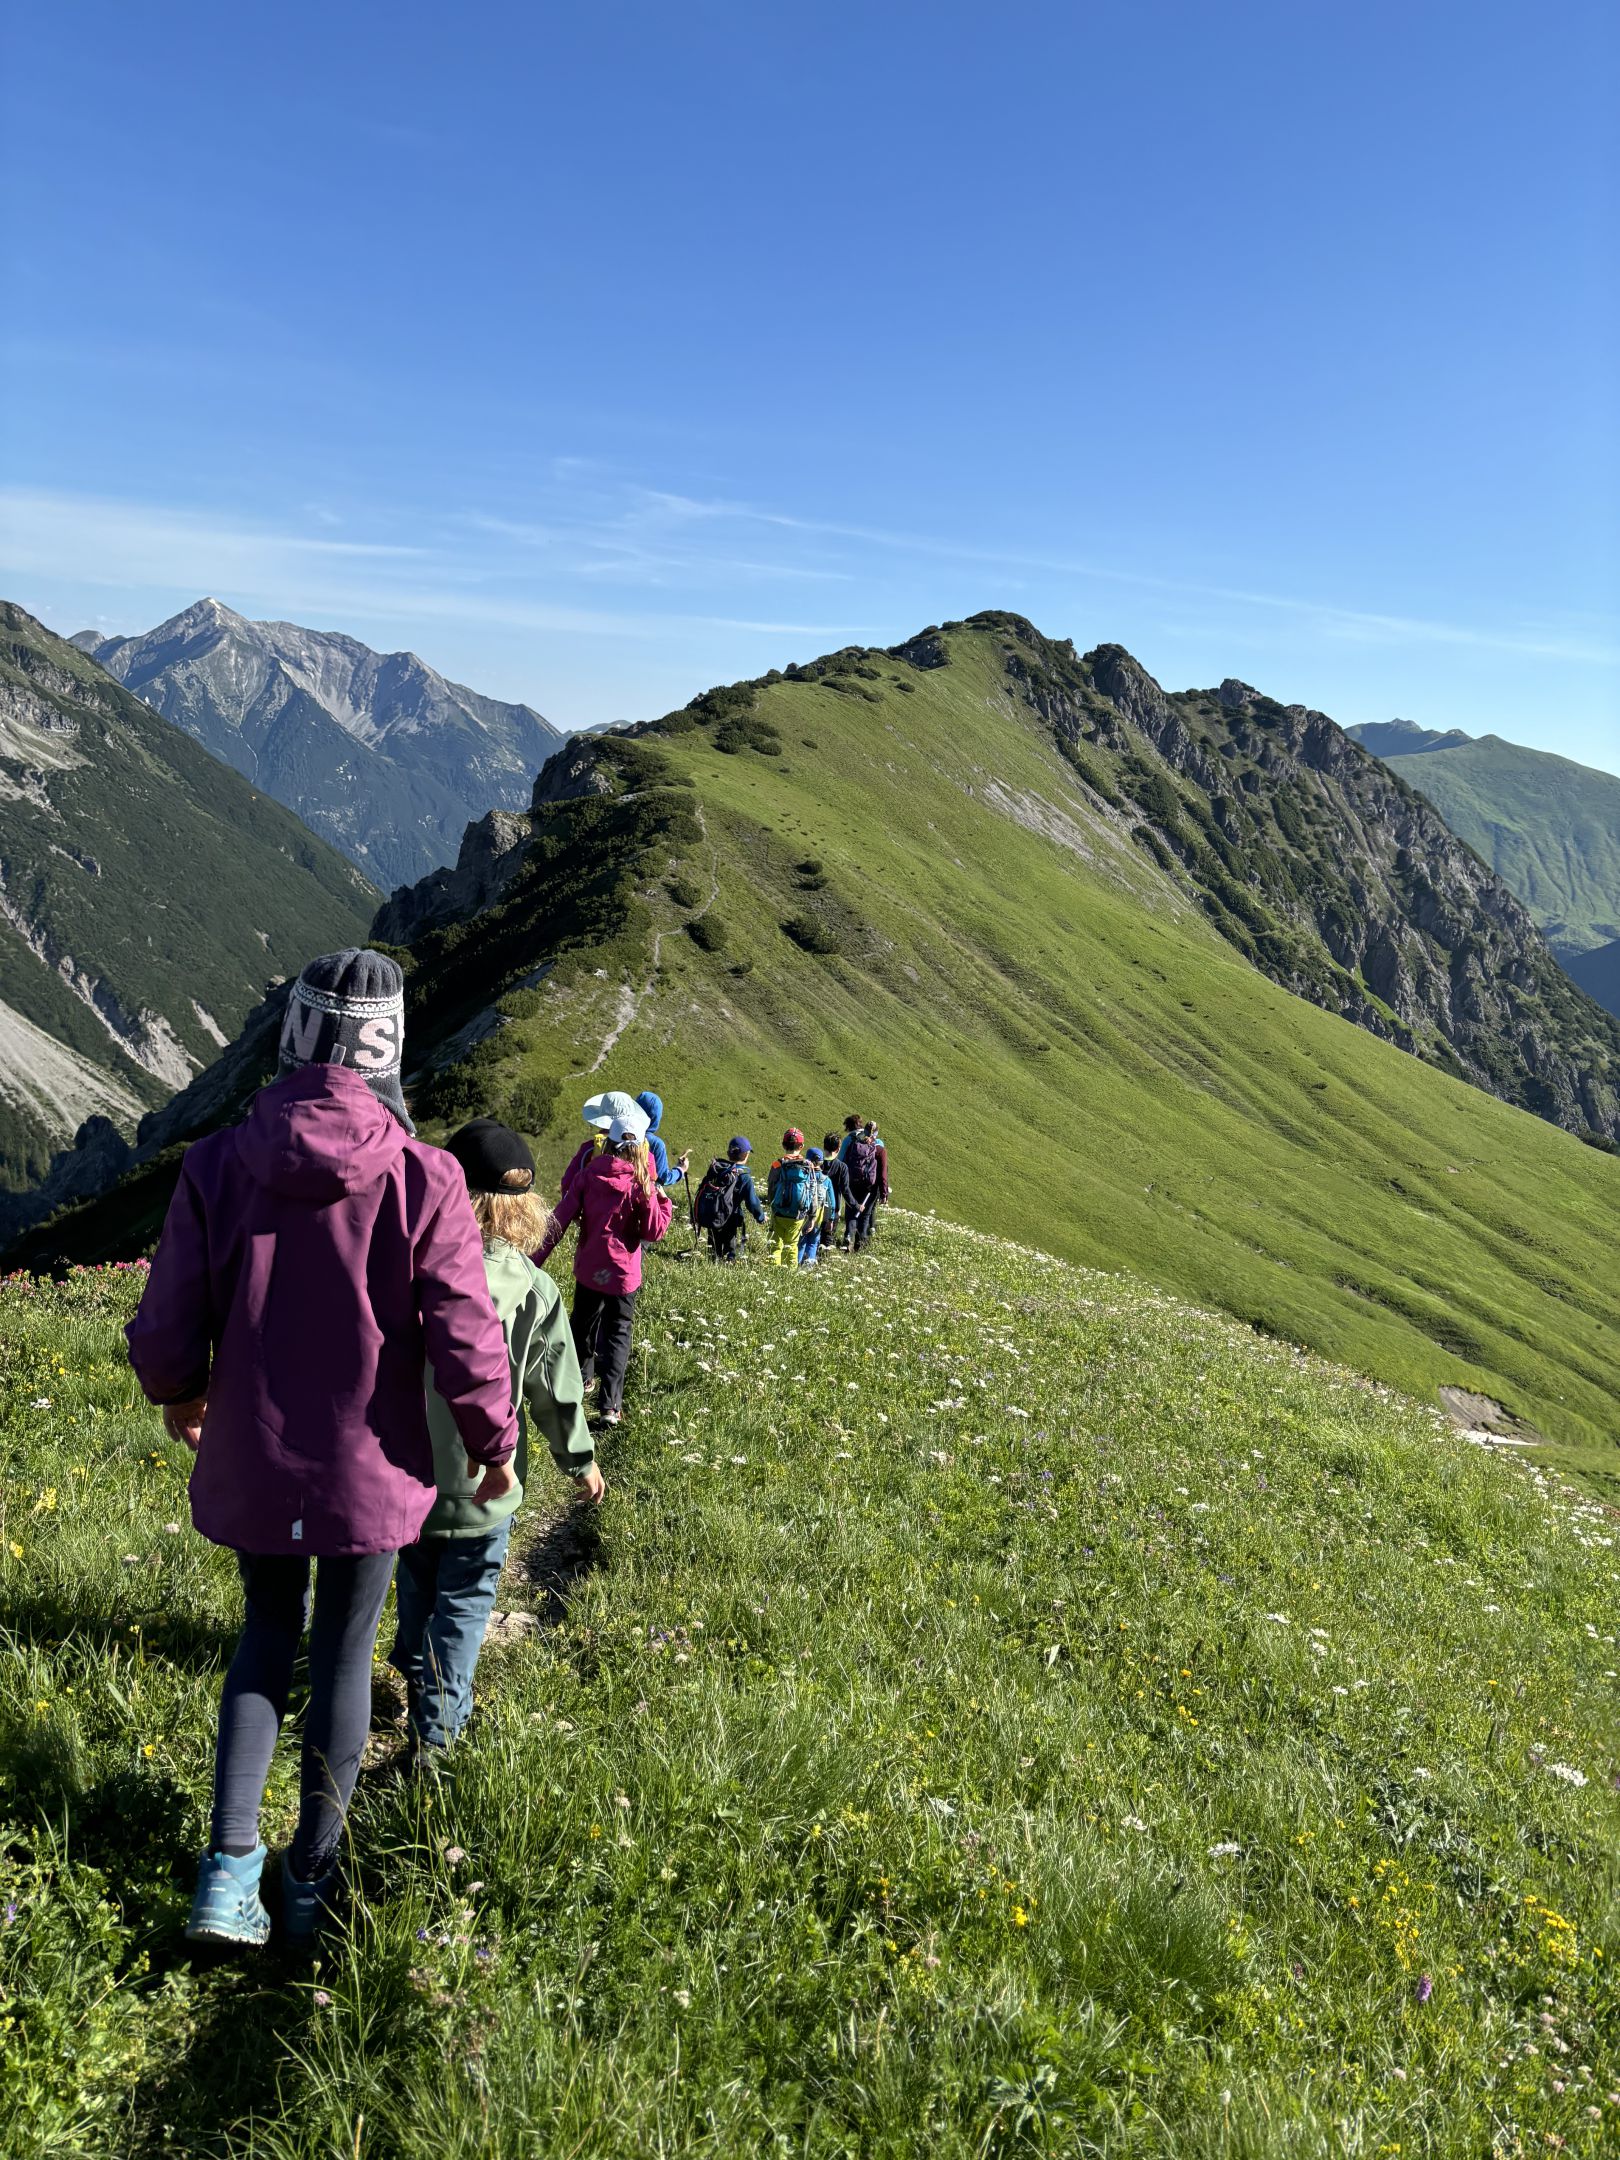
{"x":183,"y":1421}
{"x":593,"y":1484}
{"x":496,"y":1479}
{"x":684,"y":1157}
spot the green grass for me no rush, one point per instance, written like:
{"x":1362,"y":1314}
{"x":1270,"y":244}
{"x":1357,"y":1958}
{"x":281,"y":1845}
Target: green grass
{"x":1060,"y":1047}
{"x":1549,"y":828}
{"x":1001,"y":1710}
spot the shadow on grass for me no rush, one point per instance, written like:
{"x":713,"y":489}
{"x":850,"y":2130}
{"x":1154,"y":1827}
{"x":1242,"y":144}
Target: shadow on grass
{"x":247,"y":2036}
{"x":189,"y":1641}
{"x":567,"y":1550}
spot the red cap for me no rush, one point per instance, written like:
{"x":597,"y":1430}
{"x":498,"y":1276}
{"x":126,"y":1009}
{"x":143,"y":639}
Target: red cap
{"x":793,"y":1137}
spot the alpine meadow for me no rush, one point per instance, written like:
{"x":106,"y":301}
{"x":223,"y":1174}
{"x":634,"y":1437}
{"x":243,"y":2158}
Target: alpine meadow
{"x":809,"y":1328}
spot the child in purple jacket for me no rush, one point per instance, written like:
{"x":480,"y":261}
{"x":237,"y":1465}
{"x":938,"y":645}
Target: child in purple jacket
{"x":314,"y":1260}
{"x":619,"y":1207}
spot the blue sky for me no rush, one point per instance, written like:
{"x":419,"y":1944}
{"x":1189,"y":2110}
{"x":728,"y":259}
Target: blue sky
{"x":599,"y":354}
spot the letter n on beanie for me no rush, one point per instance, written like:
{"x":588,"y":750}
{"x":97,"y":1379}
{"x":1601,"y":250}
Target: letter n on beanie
{"x":348,"y":1008}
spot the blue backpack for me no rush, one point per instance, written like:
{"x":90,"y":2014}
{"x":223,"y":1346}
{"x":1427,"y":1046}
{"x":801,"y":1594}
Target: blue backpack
{"x":795,"y":1193}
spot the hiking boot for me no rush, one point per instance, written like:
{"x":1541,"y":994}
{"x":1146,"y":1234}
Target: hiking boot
{"x":226,"y":1907}
{"x":306,"y":1907}
{"x":612,"y":1417}
{"x":428,"y":1761}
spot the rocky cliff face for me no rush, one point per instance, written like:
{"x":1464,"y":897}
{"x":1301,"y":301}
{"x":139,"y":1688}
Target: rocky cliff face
{"x":377,"y":752}
{"x":1331,"y":874}
{"x":490,"y":856}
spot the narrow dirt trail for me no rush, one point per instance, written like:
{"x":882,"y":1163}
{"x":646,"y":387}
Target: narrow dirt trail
{"x":629,"y":1002}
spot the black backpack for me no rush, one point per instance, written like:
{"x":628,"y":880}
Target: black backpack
{"x":718,"y":1196}
{"x":862,"y":1164}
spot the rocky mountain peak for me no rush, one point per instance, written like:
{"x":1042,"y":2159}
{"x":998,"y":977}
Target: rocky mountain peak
{"x":378,"y":752}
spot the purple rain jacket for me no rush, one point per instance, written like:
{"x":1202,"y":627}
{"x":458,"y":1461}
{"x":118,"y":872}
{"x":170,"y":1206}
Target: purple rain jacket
{"x":314,"y":1260}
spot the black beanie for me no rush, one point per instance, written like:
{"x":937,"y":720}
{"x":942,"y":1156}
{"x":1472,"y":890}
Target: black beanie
{"x":348,"y":1008}
{"x":488,"y":1153}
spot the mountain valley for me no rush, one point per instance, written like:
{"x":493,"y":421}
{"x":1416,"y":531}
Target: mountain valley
{"x":147,"y":895}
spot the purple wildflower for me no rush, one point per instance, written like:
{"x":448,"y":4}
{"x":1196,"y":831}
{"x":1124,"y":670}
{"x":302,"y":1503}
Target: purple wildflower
{"x":1425,"y":1988}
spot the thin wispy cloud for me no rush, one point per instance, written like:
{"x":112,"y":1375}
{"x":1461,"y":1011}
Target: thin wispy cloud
{"x":491,"y":568}
{"x":132,"y":547}
{"x":1331,"y":620}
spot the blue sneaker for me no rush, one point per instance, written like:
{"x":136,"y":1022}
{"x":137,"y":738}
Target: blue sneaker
{"x":227,"y":1907}
{"x":306,"y":1907}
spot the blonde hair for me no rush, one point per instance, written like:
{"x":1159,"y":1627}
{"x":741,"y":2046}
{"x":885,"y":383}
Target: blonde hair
{"x":639,"y":1156}
{"x":519,"y":1218}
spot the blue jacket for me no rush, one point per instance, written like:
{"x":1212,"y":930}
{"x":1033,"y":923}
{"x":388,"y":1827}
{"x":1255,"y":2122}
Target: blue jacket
{"x":666,"y":1172}
{"x":749,"y":1197}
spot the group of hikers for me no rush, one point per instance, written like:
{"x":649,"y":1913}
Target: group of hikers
{"x":804,"y":1192}
{"x":353,"y":1333}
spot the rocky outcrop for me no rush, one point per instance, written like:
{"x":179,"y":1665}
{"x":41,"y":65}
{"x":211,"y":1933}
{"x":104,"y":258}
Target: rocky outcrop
{"x":575,"y":771}
{"x":490,"y":857}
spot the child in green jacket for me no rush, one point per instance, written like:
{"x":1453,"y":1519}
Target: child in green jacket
{"x":446,"y":1582}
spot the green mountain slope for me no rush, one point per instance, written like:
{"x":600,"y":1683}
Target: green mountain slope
{"x":894,"y":886}
{"x":998,"y":1712}
{"x":147,"y":893}
{"x":1548,"y":827}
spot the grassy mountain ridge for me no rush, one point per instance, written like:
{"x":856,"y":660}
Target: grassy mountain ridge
{"x":146,"y":895}
{"x":1549,"y":828}
{"x":888,"y":882}
{"x":999,"y":1711}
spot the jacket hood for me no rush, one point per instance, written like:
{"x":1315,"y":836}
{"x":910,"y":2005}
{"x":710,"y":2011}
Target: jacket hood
{"x":654,"y":1107}
{"x":318,"y":1134}
{"x":610,"y":1169}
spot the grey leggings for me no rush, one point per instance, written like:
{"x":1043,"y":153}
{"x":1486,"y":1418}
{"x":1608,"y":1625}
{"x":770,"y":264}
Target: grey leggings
{"x":348,"y":1604}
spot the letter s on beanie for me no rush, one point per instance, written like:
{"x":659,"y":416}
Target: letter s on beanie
{"x":348,"y":1008}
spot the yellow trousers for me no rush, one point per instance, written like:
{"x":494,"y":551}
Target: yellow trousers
{"x":785,"y":1240}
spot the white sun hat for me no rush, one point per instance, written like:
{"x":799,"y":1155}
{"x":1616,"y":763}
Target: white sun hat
{"x":601,"y":1110}
{"x":633,"y":1125}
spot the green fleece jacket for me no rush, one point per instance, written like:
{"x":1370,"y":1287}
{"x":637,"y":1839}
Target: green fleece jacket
{"x":546,"y":1386}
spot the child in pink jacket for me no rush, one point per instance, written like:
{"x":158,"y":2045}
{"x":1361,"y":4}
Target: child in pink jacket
{"x":616,"y":1201}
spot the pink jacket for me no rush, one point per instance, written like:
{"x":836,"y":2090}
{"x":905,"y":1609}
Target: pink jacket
{"x":615,"y":1220}
{"x":314,"y":1260}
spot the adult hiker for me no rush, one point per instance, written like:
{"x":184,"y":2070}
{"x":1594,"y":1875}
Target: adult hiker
{"x":314,"y":1261}
{"x":867,"y":1162}
{"x":598,"y":1113}
{"x":792,"y":1195}
{"x":619,"y":1208}
{"x":826,"y":1207}
{"x":723,"y":1197}
{"x":837,"y":1176}
{"x":666,"y":1172}
{"x":446,"y":1582}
